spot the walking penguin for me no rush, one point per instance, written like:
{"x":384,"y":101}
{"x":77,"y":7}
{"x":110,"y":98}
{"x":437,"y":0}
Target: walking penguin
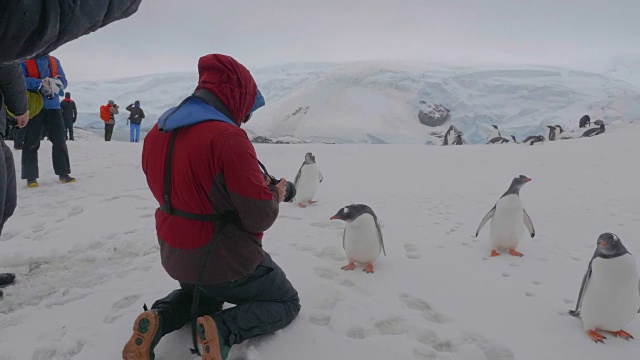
{"x":362,"y":237}
{"x":609,"y":297}
{"x":307,"y":181}
{"x":508,"y":219}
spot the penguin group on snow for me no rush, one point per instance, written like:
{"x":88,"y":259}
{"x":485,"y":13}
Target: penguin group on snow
{"x":453,"y":136}
{"x":609,"y":297}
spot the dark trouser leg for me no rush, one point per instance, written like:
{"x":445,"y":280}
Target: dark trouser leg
{"x":108,"y":131}
{"x":175,"y":309}
{"x":68,"y":129}
{"x":265,"y":302}
{"x":31,"y":147}
{"x":54,"y":124}
{"x":8,"y":198}
{"x":18,"y":138}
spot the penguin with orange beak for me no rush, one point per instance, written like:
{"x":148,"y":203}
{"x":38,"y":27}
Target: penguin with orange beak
{"x":362,"y":237}
{"x":508,"y":220}
{"x":609,"y":297}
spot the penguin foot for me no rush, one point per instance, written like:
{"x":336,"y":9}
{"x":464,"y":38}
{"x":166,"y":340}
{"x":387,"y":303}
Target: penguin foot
{"x":494,"y":253}
{"x":623,"y":334}
{"x":369,"y":269}
{"x":301,"y":205}
{"x":313,"y":201}
{"x":512,"y":252}
{"x":595,"y":336}
{"x":351,"y":266}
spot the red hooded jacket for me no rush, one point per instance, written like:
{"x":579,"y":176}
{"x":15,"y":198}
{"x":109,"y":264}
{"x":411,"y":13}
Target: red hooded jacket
{"x":215,"y":170}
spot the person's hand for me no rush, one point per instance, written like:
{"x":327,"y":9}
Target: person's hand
{"x":281,"y":187}
{"x":22,"y":120}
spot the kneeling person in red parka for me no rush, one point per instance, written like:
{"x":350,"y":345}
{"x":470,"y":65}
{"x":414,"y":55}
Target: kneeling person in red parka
{"x":203,"y":171}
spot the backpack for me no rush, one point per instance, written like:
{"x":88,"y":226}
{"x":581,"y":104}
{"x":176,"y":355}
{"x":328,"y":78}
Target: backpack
{"x":105,"y":114}
{"x":34,"y":72}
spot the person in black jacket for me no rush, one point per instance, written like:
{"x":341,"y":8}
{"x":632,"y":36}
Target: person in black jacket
{"x":36,"y":27}
{"x":135,"y":118}
{"x":69,"y":114}
{"x":12,"y":91}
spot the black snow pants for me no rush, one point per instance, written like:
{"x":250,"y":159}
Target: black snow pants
{"x":8,"y":197}
{"x":108,"y":131}
{"x":265,"y":302}
{"x":68,"y":125}
{"x":51,"y":119}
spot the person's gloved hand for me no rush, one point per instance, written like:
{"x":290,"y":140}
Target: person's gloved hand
{"x":51,"y":87}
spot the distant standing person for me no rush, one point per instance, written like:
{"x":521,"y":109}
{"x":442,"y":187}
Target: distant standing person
{"x":135,"y":118}
{"x":108,"y":115}
{"x":45,"y":74}
{"x":69,"y":114}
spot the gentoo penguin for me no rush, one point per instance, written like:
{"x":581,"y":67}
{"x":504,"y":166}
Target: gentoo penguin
{"x":552,"y":132}
{"x":514,"y":139}
{"x":533,"y":139}
{"x":307,"y":181}
{"x":508,"y":220}
{"x":594,"y":131}
{"x":498,"y":140}
{"x":560,"y":129}
{"x":609,"y":297}
{"x":362,"y":238}
{"x":584,"y":121}
{"x":598,"y":122}
{"x":449,"y":136}
{"x":495,"y":132}
{"x":458,"y":139}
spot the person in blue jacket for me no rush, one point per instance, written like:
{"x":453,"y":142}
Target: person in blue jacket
{"x":45,"y":74}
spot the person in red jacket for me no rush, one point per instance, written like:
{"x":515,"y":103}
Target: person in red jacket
{"x":203,"y":171}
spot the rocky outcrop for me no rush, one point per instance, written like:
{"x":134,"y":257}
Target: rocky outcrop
{"x":432,"y":115}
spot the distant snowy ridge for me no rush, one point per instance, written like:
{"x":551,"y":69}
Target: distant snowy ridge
{"x":371,"y":102}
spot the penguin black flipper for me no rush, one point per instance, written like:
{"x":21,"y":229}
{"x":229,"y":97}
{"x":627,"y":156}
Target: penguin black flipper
{"x":528,"y":223}
{"x":320,"y":177}
{"x":583,"y":288}
{"x":375,"y":219}
{"x":295,"y":182}
{"x":485,"y":219}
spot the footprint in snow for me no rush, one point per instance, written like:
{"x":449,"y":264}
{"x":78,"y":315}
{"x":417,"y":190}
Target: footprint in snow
{"x":412,"y":251}
{"x":117,"y":309}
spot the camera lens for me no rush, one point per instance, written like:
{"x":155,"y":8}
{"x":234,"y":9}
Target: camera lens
{"x":290,"y":191}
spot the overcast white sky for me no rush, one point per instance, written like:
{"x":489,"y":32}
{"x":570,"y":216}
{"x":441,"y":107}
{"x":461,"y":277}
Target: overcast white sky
{"x":170,"y":35}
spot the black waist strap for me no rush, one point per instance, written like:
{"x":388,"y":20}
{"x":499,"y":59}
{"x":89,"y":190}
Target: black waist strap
{"x":228,"y":217}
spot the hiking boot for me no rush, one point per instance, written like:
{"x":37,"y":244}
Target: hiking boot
{"x":7,"y":279}
{"x":213,"y":347}
{"x":146,"y":335}
{"x":65,"y":179}
{"x":32,"y":183}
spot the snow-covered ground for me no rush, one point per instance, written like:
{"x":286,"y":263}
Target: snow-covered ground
{"x":86,"y":254}
{"x":379,"y":102}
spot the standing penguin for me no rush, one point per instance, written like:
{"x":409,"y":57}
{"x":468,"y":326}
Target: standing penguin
{"x":584,"y":121}
{"x":307,"y":181}
{"x":552,"y":132}
{"x":508,"y":219}
{"x":609,"y":297}
{"x":495,"y":132}
{"x":362,"y":237}
{"x":449,"y":136}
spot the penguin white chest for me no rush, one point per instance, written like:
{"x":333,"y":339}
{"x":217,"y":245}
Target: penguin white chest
{"x":612,"y":298}
{"x":361,"y":240}
{"x":307,"y":184}
{"x":507,"y":224}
